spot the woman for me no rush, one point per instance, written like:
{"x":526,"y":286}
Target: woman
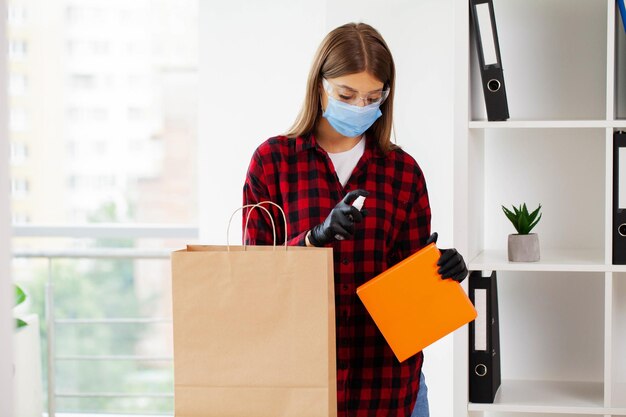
{"x":338,"y":149}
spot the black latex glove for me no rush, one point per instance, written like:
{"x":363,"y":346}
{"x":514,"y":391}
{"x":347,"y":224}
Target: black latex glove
{"x":451,"y":263}
{"x":339,"y":224}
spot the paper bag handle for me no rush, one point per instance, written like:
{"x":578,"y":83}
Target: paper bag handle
{"x":252,"y":207}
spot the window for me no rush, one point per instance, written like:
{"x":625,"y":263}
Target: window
{"x":135,"y":113}
{"x":114,"y":105}
{"x":138,"y":82}
{"x":17,"y":122}
{"x":135,"y":48}
{"x":19,"y":187}
{"x":19,"y":152}
{"x":85,"y":114}
{"x":17,"y":49}
{"x":17,"y":84}
{"x":73,"y":47}
{"x":20,"y":218}
{"x":99,"y":47}
{"x":82,"y":81}
{"x":17,"y":15}
{"x":74,"y":14}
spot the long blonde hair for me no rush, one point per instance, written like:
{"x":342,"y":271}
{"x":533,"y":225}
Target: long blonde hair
{"x":349,"y":49}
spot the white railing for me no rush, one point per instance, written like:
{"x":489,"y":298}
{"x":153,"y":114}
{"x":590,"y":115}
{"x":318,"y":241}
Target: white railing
{"x":189,"y":233}
{"x":107,"y":230}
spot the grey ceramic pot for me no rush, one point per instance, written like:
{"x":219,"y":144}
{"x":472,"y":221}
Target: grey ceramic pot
{"x":524,"y":248}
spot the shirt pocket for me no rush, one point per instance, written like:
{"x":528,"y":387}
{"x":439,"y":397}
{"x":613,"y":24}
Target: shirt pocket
{"x":398,"y":216}
{"x":403,"y":205}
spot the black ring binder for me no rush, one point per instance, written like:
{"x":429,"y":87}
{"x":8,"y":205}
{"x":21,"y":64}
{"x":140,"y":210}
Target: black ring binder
{"x":619,"y":198}
{"x":484,"y":339}
{"x":488,"y":47}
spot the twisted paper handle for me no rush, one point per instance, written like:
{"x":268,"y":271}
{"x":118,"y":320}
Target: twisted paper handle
{"x":245,"y":231}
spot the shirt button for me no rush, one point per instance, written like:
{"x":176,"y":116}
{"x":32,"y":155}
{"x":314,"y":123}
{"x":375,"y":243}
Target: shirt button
{"x":343,"y":365}
{"x":345,"y":287}
{"x":345,"y":261}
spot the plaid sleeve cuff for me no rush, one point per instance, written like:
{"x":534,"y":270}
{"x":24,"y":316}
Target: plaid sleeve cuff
{"x":298,"y":240}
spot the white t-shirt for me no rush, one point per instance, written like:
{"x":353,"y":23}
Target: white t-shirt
{"x":345,"y":162}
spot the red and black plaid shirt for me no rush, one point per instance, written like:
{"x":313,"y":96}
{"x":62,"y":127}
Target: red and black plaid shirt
{"x":298,"y":175}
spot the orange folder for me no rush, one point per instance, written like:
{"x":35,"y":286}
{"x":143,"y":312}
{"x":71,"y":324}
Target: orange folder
{"x":413,"y":306}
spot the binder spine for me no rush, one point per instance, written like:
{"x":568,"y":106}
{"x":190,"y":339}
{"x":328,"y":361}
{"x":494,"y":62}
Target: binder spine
{"x":619,"y":198}
{"x":488,"y":48}
{"x":484,"y":339}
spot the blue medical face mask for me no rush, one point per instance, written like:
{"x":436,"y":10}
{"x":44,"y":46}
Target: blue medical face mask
{"x":350,"y":120}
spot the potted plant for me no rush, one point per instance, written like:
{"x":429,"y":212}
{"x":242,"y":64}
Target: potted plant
{"x":27,"y":363}
{"x":523,"y":246}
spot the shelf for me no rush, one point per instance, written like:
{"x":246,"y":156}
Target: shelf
{"x":619,"y":397}
{"x":547,"y":124}
{"x":547,"y":397}
{"x":562,"y":319}
{"x":551,"y":260}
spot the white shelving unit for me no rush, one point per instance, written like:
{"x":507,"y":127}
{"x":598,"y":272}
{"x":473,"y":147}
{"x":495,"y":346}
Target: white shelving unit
{"x":563,"y":319}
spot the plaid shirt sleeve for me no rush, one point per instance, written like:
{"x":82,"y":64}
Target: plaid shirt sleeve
{"x":416,"y":229}
{"x":259,"y":230}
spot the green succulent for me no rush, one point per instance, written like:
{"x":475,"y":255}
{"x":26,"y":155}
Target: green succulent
{"x":20,"y":296}
{"x":522,"y":220}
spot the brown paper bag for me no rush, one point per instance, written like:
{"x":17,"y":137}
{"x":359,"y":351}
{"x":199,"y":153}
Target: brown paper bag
{"x":254,"y":332}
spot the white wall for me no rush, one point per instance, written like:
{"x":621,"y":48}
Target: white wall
{"x":6,"y":291}
{"x":254,"y":61}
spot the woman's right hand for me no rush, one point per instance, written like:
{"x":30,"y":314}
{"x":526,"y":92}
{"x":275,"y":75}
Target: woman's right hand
{"x":339,"y":224}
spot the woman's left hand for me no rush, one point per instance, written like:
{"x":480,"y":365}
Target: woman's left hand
{"x":451,"y":263}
